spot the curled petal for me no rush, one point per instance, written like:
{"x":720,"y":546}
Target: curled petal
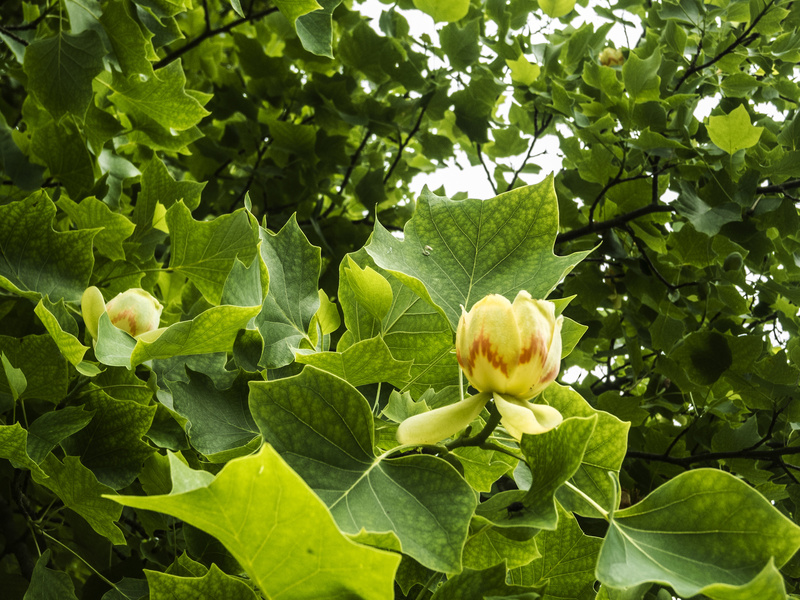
{"x":434,"y":426}
{"x":553,"y":362}
{"x":92,"y":306}
{"x":523,"y":417}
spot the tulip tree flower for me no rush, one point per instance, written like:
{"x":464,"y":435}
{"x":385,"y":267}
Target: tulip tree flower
{"x":134,"y":311}
{"x":508,"y":352}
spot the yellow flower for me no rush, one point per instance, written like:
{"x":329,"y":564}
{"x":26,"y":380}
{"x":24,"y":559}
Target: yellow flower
{"x":611,"y":57}
{"x":508,"y":352}
{"x":134,"y":311}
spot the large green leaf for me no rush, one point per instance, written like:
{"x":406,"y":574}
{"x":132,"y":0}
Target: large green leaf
{"x":161,"y":97}
{"x":489,"y":583}
{"x":47,"y":584}
{"x":444,"y":10}
{"x":488,"y":545}
{"x":567,"y":561}
{"x":294,"y":266}
{"x":279,"y":531}
{"x":219,"y":419}
{"x":734,"y":131}
{"x":41,"y":362}
{"x":61,"y":68}
{"x":697,"y":532}
{"x":61,"y":147}
{"x":456,"y":252}
{"x":314,"y":28}
{"x":159,"y":186}
{"x":554,"y":457}
{"x":204,"y":251}
{"x":130,"y":45}
{"x":412,"y":328}
{"x":70,"y":346}
{"x":604,"y":452}
{"x":36,"y":260}
{"x":49,"y":430}
{"x":323,"y":427}
{"x":91,"y":214}
{"x":556,"y":8}
{"x":368,"y":361}
{"x":111,"y":445}
{"x":214,"y":585}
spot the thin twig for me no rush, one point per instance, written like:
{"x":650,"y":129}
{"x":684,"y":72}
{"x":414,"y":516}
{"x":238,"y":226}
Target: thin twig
{"x":617,"y":221}
{"x":485,"y":168}
{"x":354,"y":160}
{"x":686,"y":461}
{"x":411,"y":134}
{"x":172,"y":56}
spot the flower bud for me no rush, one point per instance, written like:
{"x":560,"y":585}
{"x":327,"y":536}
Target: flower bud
{"x":134,"y":311}
{"x":610,"y":57}
{"x":510,"y":349}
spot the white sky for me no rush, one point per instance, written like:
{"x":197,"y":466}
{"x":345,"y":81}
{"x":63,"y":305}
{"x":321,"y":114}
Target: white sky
{"x":459,"y":175}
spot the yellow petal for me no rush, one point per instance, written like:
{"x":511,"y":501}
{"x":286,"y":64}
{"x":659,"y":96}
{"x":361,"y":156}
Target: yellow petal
{"x":489,"y":345}
{"x":523,"y":417}
{"x":92,"y":306}
{"x":434,"y":426}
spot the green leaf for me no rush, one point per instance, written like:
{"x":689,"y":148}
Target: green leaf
{"x":324,"y":428}
{"x":734,"y":131}
{"x":490,"y":582}
{"x":315,"y":28}
{"x":14,"y":445}
{"x":79,"y":490}
{"x":460,"y":44}
{"x":15,"y":378}
{"x":37,"y":261}
{"x":567,"y":561}
{"x":214,"y":585}
{"x":93,"y":214}
{"x":130,"y":45}
{"x":61,"y":147}
{"x":219,"y":420}
{"x":279,"y":531}
{"x":161,"y":97}
{"x":69,"y":345}
{"x":501,"y":246}
{"x":23,"y":173}
{"x":246,"y":286}
{"x":204,"y":251}
{"x":523,"y":71}
{"x":481,"y":467}
{"x":158,"y":186}
{"x":213,"y":330}
{"x":44,"y":367}
{"x":294,"y":267}
{"x":184,"y":478}
{"x":488,"y":546}
{"x":553,"y":457}
{"x":111,"y":445}
{"x":699,"y":530}
{"x":50,"y":429}
{"x":370,"y":288}
{"x":60,"y":71}
{"x":640,"y":77}
{"x":365,"y":362}
{"x":605,"y":452}
{"x":292,"y":9}
{"x":444,"y":10}
{"x":47,"y":584}
{"x":556,"y":8}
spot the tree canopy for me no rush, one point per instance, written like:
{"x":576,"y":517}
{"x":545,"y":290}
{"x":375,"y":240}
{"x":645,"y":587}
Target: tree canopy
{"x":254,"y":165}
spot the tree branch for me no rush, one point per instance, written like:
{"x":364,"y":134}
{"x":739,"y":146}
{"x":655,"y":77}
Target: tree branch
{"x":744,"y":39}
{"x":208,"y":33}
{"x":411,"y":134}
{"x":617,"y":221}
{"x":354,"y":160}
{"x":485,"y":168}
{"x":13,"y":36}
{"x":537,"y":131}
{"x":687,"y":461}
{"x":779,"y":187}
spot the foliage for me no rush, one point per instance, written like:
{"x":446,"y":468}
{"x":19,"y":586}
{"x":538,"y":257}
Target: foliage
{"x":251,"y":165}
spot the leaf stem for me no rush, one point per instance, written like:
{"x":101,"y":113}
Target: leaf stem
{"x":79,"y":557}
{"x":588,"y":499}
